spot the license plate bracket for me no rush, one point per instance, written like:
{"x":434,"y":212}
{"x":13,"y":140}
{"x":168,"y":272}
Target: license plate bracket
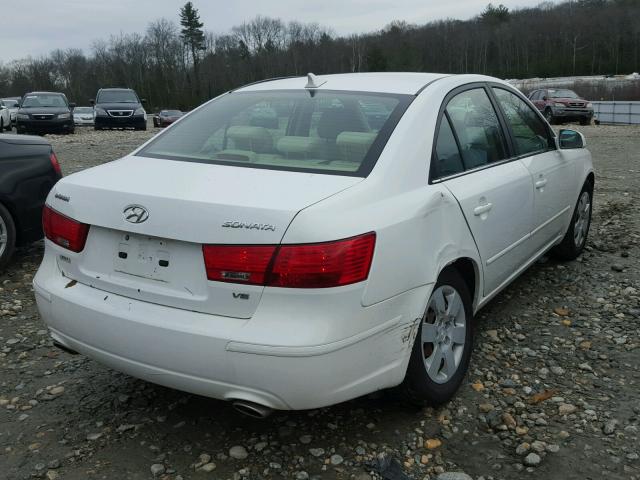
{"x":142,"y":256}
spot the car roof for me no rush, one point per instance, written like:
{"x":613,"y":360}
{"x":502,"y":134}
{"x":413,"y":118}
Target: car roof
{"x":45,"y":93}
{"x":388,"y":82}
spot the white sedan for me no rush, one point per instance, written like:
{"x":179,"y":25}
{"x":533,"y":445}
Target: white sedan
{"x":300,"y":242}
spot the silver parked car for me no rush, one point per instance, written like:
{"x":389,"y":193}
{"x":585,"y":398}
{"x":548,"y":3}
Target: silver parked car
{"x":83,"y":116}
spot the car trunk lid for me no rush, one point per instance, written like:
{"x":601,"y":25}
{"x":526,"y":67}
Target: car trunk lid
{"x":174,"y":207}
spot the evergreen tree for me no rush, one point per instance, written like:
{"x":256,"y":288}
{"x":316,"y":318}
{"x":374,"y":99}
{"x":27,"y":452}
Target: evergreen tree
{"x":193,"y":37}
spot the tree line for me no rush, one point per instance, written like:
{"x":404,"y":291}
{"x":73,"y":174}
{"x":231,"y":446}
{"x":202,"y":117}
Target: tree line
{"x":182,"y":64}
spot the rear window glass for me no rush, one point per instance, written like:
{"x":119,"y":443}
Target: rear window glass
{"x":328,"y":132}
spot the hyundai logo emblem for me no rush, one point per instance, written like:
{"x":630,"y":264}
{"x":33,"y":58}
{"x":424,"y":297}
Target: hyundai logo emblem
{"x":135,"y":214}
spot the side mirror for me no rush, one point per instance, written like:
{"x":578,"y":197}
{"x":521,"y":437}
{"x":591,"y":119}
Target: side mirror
{"x":570,"y":139}
{"x":72,"y":106}
{"x":143,"y":100}
{"x":92,"y":101}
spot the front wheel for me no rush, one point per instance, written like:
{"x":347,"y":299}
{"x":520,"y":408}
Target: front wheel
{"x":576,"y":237}
{"x":585,"y":121}
{"x":548,"y":115}
{"x":442,"y":348}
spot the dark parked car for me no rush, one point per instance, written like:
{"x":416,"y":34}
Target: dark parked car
{"x":119,"y":108}
{"x":560,"y":104}
{"x":166,"y":117}
{"x":29,"y":170}
{"x":45,"y":112}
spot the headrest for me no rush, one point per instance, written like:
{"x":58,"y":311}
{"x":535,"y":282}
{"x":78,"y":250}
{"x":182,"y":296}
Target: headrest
{"x":255,"y":139}
{"x":353,"y":146}
{"x":340,"y":119}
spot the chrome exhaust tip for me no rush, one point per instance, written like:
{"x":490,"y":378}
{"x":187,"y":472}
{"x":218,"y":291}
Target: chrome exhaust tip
{"x":251,"y":409}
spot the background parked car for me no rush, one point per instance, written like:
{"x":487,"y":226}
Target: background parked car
{"x":12,"y":104}
{"x":166,"y":117}
{"x":29,"y":170}
{"x":562,"y":104}
{"x":119,"y":108}
{"x":83,"y":116}
{"x":44,"y":112}
{"x":5,"y":117}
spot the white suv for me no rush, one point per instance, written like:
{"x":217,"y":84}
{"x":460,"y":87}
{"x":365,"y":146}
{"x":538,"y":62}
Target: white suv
{"x":300,"y":242}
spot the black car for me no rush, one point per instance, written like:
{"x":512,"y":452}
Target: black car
{"x":29,"y":169}
{"x":45,"y":112}
{"x":119,"y":108}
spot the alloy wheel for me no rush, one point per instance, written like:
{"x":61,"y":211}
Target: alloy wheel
{"x":583,"y":217}
{"x":443,"y":334}
{"x":3,"y":236}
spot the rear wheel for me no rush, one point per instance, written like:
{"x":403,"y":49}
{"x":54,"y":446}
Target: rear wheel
{"x":7,"y":236}
{"x":585,"y":121}
{"x":442,"y":349}
{"x":576,"y":237}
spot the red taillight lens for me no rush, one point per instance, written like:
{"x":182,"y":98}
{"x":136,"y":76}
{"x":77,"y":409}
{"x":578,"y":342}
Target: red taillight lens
{"x":322,"y":265}
{"x":55,"y":164}
{"x":317,"y":265}
{"x":237,"y":263}
{"x":64,"y":231}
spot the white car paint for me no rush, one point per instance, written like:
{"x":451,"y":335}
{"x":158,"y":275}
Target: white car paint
{"x":290,"y":348}
{"x":5,"y":115}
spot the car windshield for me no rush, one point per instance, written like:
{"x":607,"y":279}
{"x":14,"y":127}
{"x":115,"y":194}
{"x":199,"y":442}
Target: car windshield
{"x":10,"y":103}
{"x":170,"y":113}
{"x":333,"y":132}
{"x":117,"y":96}
{"x":44,"y":100}
{"x":83,"y":110}
{"x":562,"y":94}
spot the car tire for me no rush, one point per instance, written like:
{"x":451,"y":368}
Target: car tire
{"x":548,"y":115}
{"x":436,"y":368}
{"x":1,"y":124}
{"x":575,"y":239}
{"x":585,"y":121}
{"x":7,"y":236}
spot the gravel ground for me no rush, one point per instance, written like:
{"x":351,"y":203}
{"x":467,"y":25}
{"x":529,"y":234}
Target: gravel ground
{"x":552,"y":392}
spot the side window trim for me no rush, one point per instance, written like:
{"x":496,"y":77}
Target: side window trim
{"x":506,"y":134}
{"x":550,"y":134}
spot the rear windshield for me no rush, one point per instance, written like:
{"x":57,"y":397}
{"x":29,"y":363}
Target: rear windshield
{"x":44,"y":100}
{"x":117,"y":96}
{"x":170,"y":113}
{"x":83,"y":110}
{"x":10,"y":103}
{"x":333,"y":132}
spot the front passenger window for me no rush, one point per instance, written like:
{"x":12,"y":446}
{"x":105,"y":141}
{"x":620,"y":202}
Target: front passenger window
{"x":476,"y":125}
{"x":530,"y":133}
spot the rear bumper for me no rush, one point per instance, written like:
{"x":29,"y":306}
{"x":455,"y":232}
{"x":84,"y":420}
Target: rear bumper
{"x":219,"y":356}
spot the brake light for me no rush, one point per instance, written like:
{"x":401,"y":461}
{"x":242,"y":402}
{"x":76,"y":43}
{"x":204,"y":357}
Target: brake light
{"x":237,"y":263}
{"x":55,"y":164}
{"x":64,"y":231}
{"x":316,"y":265}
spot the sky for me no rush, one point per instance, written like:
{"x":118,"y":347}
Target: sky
{"x":35,"y":27}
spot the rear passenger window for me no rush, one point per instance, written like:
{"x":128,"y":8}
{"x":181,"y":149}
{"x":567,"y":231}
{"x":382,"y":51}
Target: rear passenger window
{"x":476,"y":125}
{"x":447,"y":158}
{"x":530,"y":133}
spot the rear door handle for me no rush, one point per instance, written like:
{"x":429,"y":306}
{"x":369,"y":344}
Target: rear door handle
{"x":541,"y":183}
{"x":479,"y":210}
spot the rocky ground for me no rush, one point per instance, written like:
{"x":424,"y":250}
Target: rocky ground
{"x":553,"y":390}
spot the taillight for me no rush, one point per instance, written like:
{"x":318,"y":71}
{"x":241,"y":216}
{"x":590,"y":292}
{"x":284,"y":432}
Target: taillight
{"x":241,"y":264}
{"x":316,"y":265}
{"x":55,"y":164}
{"x":64,"y":231}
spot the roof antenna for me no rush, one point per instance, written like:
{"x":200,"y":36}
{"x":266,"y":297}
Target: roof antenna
{"x":313,"y":81}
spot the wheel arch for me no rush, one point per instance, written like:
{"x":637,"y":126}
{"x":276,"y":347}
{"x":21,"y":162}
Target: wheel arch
{"x":469,"y":269}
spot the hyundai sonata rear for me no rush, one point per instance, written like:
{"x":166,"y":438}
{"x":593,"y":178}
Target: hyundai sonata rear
{"x":301,"y":242}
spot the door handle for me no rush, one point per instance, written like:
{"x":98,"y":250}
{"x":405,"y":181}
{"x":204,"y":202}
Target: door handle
{"x":479,"y":210}
{"x":541,"y":183}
